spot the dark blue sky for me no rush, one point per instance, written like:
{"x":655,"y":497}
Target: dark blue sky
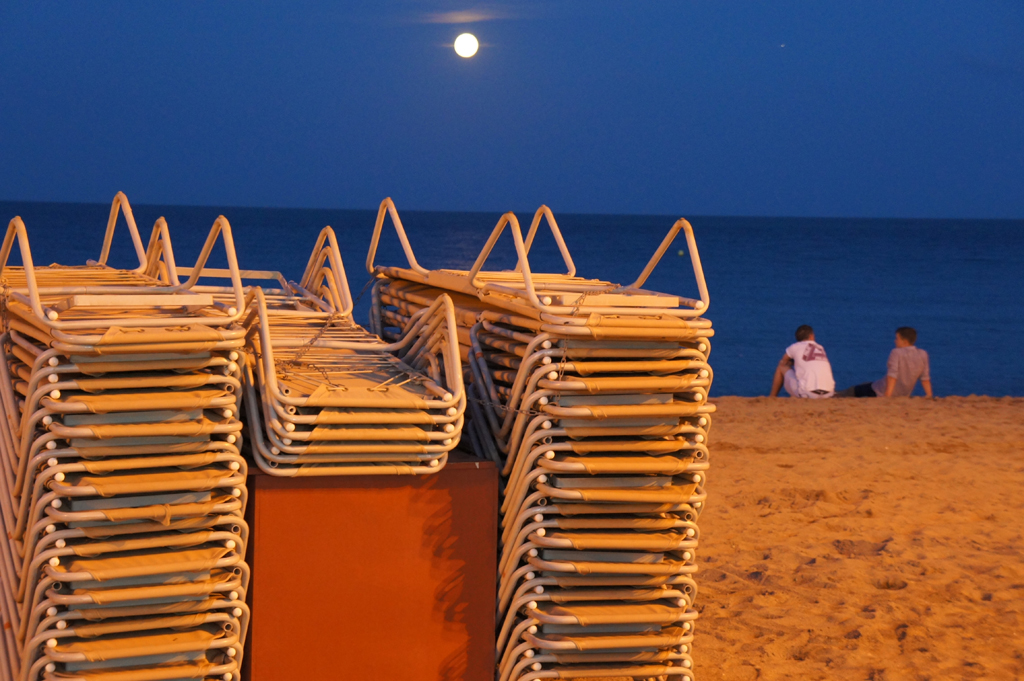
{"x":872,"y":108}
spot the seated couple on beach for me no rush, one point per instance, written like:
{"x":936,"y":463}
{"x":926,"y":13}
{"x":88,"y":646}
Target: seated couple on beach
{"x":805,"y":370}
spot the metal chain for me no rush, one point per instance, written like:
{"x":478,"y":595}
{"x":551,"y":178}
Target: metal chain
{"x":586,"y":294}
{"x":333,"y":317}
{"x":5,"y":294}
{"x":366,"y":287}
{"x":301,"y":352}
{"x":505,"y":408}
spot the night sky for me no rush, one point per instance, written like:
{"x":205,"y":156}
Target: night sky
{"x":852,"y":108}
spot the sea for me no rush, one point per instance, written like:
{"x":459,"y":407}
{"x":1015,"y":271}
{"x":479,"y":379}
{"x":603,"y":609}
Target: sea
{"x":960,"y":283}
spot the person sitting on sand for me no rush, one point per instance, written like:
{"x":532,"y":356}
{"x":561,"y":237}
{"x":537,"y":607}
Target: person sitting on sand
{"x":804,"y":370}
{"x":907,"y":363}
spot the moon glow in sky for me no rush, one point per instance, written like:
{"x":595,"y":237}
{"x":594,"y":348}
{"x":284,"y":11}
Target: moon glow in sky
{"x":466,"y":45}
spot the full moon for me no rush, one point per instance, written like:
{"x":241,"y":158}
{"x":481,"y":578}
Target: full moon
{"x":466,"y":45}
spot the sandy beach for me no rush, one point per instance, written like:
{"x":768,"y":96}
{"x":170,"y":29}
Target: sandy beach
{"x":863,"y":539}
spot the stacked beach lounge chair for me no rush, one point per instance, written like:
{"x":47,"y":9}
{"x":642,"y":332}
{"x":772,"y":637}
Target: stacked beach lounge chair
{"x":123,"y":488}
{"x":593,"y":399}
{"x":326,"y":397}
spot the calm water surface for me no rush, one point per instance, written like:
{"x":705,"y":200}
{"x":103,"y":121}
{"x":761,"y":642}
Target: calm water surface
{"x":960,"y":283}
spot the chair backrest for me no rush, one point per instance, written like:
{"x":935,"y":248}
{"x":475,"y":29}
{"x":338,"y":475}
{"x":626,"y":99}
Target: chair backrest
{"x":551,"y":294}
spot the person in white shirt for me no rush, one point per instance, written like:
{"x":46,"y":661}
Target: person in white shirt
{"x":804,"y":370}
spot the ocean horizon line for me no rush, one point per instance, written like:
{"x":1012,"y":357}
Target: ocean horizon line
{"x":673,"y":216}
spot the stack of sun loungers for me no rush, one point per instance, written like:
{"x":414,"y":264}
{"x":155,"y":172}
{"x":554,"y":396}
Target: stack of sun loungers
{"x":592,"y":397}
{"x":325,"y":397}
{"x":123,"y":479}
{"x":123,"y":488}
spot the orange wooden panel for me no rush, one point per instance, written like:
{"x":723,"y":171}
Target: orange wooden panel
{"x":374,"y":578}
